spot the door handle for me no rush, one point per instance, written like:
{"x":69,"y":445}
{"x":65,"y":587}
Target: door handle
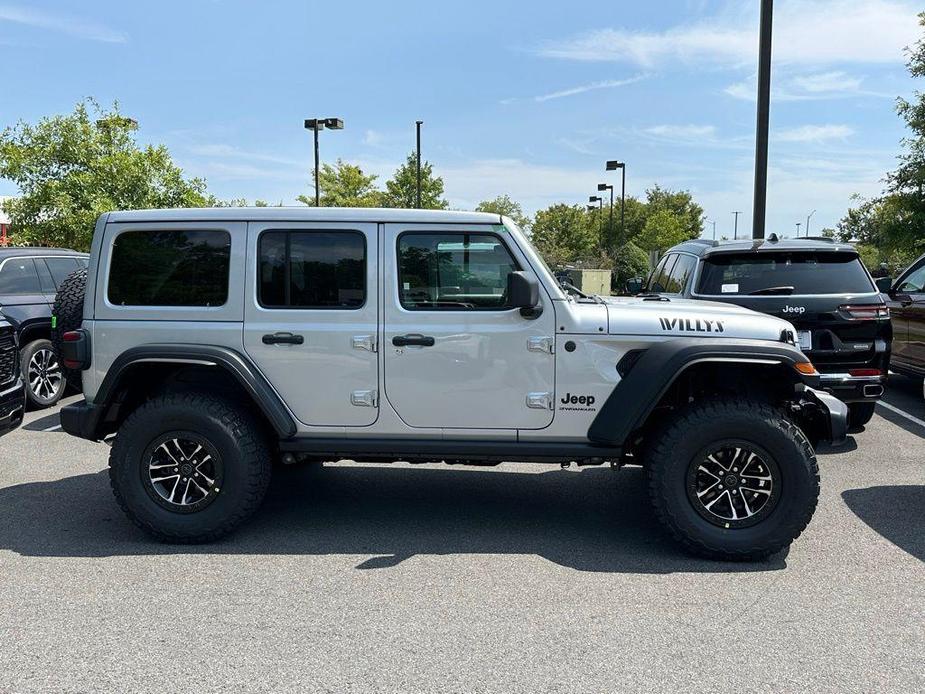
{"x":283,"y":339}
{"x":413,"y":341}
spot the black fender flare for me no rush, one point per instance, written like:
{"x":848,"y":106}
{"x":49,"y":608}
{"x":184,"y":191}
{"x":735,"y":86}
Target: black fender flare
{"x":231,"y":361}
{"x":636,"y":395}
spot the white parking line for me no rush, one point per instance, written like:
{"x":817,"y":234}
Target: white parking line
{"x":901,"y":413}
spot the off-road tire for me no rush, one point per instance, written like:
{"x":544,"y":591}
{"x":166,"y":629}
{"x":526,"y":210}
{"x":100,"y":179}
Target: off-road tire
{"x":860,"y":413}
{"x":682,"y":438}
{"x":235,"y":434}
{"x":67,"y":315}
{"x":38,"y":401}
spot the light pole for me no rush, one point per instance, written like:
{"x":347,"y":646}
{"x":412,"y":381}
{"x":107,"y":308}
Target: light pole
{"x":600,"y":209}
{"x":713,"y":222}
{"x":807,"y":221}
{"x":799,"y":224}
{"x":735,"y":234}
{"x":601,"y":187}
{"x":613,"y":166}
{"x":316,"y":125}
{"x":417,"y":125}
{"x":760,"y":206}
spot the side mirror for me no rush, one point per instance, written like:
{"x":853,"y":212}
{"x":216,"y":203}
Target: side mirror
{"x":634,"y":285}
{"x":523,"y":292}
{"x":884,"y":284}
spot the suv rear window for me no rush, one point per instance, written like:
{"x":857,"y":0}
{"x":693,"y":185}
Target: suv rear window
{"x":784,"y":273}
{"x":170,"y":268}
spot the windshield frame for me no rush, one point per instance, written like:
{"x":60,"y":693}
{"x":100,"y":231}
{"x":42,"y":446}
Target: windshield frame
{"x":695,"y":286}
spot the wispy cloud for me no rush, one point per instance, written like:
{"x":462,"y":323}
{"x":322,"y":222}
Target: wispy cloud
{"x":62,"y":23}
{"x":815,"y":133}
{"x":682,"y":132}
{"x":593,"y":86}
{"x":224,"y":151}
{"x":807,"y":87}
{"x":806,"y":33}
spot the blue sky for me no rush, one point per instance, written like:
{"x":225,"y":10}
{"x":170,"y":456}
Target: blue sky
{"x":526,"y":99}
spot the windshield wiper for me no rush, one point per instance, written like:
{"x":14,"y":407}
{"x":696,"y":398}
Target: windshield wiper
{"x":772,"y":291}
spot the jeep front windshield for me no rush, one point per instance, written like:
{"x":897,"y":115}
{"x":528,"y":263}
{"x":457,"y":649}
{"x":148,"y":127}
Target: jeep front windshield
{"x":783,"y":274}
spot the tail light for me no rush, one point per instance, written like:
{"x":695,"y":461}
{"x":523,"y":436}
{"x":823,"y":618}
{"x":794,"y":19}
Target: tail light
{"x":869,"y":312}
{"x":74,"y":350}
{"x":865,"y":372}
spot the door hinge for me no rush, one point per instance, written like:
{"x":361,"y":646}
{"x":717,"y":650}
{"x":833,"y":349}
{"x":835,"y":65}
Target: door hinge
{"x":367,"y":342}
{"x":541,"y":344}
{"x":364,"y":398}
{"x":539,"y":401}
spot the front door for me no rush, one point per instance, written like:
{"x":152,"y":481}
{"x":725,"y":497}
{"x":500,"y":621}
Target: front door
{"x":311,"y":318}
{"x":455,"y":354}
{"x":907,"y":305}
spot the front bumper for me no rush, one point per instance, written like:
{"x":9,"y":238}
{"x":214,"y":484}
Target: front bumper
{"x":848,"y":388}
{"x":827,"y":414}
{"x":12,"y":406}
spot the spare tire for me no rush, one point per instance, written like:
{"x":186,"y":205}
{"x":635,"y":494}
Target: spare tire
{"x":67,"y":314}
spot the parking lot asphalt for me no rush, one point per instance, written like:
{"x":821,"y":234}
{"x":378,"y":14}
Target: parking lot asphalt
{"x":428,"y":578}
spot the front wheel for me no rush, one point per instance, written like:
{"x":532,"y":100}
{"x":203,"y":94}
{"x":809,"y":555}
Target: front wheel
{"x":43,"y":374}
{"x":734,"y":481}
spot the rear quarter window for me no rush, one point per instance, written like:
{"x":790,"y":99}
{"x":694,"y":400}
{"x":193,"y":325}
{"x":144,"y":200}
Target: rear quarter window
{"x":784,"y":273}
{"x":170,"y":268}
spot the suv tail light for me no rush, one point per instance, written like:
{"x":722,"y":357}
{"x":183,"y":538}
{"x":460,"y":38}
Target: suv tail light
{"x":75,"y":349}
{"x":869,"y":312}
{"x":864,"y":372}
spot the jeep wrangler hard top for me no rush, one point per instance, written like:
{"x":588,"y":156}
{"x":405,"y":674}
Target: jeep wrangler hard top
{"x":215,"y":341}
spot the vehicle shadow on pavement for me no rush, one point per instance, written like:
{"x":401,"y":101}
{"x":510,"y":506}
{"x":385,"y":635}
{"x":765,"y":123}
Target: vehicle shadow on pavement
{"x":593,"y":520}
{"x":895,"y":512}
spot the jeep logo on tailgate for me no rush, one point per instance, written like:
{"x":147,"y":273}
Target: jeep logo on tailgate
{"x":692,"y":325}
{"x":794,"y":310}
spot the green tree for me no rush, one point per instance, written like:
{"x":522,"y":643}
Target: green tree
{"x":630,"y":261}
{"x":681,"y":205}
{"x":345,"y":185}
{"x":503,"y":205}
{"x":71,"y":168}
{"x":564,"y":234}
{"x":663,"y":230}
{"x":401,"y":189}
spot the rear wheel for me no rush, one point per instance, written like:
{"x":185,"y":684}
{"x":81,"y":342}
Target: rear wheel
{"x":41,"y":369}
{"x":860,"y":413}
{"x":189,"y":468}
{"x":732,"y":480}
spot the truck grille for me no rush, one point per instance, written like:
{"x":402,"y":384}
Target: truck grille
{"x":7,"y":358}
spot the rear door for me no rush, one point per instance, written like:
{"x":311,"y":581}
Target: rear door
{"x":907,"y":309}
{"x":311,"y":318}
{"x":455,"y":354}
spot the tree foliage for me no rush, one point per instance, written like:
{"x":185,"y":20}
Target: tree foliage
{"x":892,"y":226}
{"x":503,"y":205}
{"x":401,"y":189}
{"x":72,"y":168}
{"x":563,"y":234}
{"x":345,"y":185}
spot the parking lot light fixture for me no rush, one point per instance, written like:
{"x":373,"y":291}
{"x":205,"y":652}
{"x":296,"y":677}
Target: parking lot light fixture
{"x":602,"y":187}
{"x":600,"y":201}
{"x":316,"y":125}
{"x":614,"y":165}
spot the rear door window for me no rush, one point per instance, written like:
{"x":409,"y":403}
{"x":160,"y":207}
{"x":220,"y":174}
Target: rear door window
{"x":18,"y":276}
{"x":60,"y":268}
{"x":798,"y":273}
{"x":659,"y":282}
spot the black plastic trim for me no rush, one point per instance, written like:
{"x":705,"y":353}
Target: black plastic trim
{"x":441,"y":449}
{"x":634,"y":397}
{"x":222,"y":357}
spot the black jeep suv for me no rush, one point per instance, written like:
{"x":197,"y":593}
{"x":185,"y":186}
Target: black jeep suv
{"x":12,"y":397}
{"x":817,"y":284}
{"x":29,"y":278}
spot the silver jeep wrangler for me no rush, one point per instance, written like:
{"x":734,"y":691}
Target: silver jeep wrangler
{"x":216,"y":341}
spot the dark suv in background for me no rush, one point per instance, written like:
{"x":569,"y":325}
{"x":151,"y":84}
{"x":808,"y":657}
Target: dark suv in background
{"x":12,"y":398}
{"x":819,"y":285}
{"x":906,"y":299}
{"x":29,"y":278}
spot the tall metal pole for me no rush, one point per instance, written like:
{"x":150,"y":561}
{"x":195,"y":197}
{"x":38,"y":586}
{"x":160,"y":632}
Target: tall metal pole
{"x":417,"y":124}
{"x":714,"y":229}
{"x":623,"y":206}
{"x":759,"y":211}
{"x":317,"y":190}
{"x":610,"y":228}
{"x":807,"y":221}
{"x":735,"y":234}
